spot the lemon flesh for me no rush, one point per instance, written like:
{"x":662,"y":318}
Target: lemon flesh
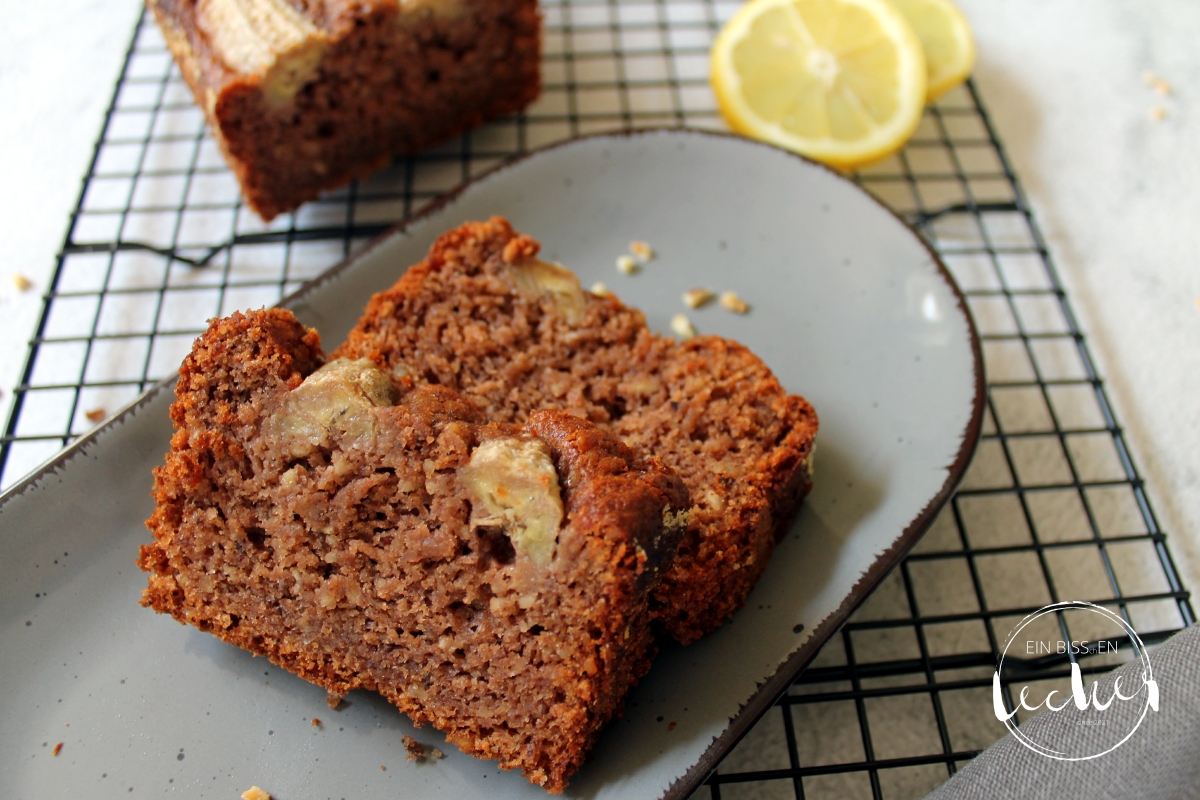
{"x":840,"y":81}
{"x":946,"y":38}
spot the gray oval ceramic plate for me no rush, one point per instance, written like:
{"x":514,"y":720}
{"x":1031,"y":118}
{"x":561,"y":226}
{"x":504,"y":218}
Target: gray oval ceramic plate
{"x":849,"y":308}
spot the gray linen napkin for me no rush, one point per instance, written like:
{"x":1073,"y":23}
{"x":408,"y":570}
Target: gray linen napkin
{"x":1160,"y":760}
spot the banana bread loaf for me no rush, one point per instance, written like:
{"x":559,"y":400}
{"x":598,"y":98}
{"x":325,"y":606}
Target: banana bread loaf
{"x":484,"y":316}
{"x":489,"y":579}
{"x":306,"y":95}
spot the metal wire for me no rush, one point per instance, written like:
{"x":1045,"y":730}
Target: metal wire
{"x":1053,"y":507}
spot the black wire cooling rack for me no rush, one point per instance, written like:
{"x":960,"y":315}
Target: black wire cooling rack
{"x":1052,"y":508}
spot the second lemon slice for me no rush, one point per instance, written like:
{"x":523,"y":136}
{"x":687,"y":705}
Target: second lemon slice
{"x":946,"y":38}
{"x":841,"y":81}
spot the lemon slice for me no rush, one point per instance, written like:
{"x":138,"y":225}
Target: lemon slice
{"x":947,"y":41}
{"x":840,"y":81}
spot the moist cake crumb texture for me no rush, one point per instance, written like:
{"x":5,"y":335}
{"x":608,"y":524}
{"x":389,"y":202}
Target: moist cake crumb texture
{"x":470,"y":318}
{"x":328,"y":518}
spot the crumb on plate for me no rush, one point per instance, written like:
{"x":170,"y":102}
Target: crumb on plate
{"x":641,"y":251}
{"x":420,"y":752}
{"x":95,"y":414}
{"x":626,"y":265}
{"x":694,"y":298}
{"x":599,"y":289}
{"x":1158,"y":113}
{"x":22,"y":283}
{"x":731,"y":302}
{"x":255,"y":793}
{"x":57,"y":749}
{"x":682,"y":326}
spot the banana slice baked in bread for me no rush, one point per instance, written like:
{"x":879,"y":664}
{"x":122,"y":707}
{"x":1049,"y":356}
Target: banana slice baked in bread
{"x":484,"y":316}
{"x":490,"y":579}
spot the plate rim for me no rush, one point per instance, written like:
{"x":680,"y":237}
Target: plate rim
{"x":774,"y":687}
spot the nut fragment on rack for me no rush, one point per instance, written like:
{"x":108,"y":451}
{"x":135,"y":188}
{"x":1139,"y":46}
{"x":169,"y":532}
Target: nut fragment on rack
{"x":731,"y":302}
{"x":682,"y":327}
{"x":255,"y":793}
{"x":95,"y":414}
{"x":599,"y":289}
{"x":22,"y":283}
{"x":694,"y":298}
{"x":626,"y":265}
{"x":643,"y":252}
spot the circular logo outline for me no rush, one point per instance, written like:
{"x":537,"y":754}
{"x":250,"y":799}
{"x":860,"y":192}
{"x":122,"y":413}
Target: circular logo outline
{"x":1139,"y":649}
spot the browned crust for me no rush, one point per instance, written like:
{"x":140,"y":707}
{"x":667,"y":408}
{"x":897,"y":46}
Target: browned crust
{"x":331,"y":579}
{"x":456,"y":319}
{"x":430,"y":79}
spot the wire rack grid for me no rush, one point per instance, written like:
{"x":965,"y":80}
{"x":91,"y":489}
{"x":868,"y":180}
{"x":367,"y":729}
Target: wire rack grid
{"x":1051,"y":509}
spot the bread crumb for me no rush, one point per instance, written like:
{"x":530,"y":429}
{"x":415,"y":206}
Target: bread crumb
{"x":1158,"y":113}
{"x":382,"y":767}
{"x":1156,"y":83}
{"x":57,"y":749}
{"x":643,"y":252}
{"x":333,"y":700}
{"x":626,"y":265}
{"x":316,"y":723}
{"x":682,"y":326}
{"x":96,"y":414}
{"x":731,"y":302}
{"x":694,"y":298}
{"x":22,"y":283}
{"x":255,"y":793}
{"x":599,"y":289}
{"x":419,"y":752}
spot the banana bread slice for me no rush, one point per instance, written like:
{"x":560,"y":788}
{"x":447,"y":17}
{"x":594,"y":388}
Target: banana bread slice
{"x":489,"y":579}
{"x":483,"y":315}
{"x":306,"y":95}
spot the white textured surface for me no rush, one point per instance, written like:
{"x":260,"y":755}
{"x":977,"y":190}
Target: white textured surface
{"x":1117,"y":194}
{"x":58,"y":64}
{"x":1114,"y":190}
